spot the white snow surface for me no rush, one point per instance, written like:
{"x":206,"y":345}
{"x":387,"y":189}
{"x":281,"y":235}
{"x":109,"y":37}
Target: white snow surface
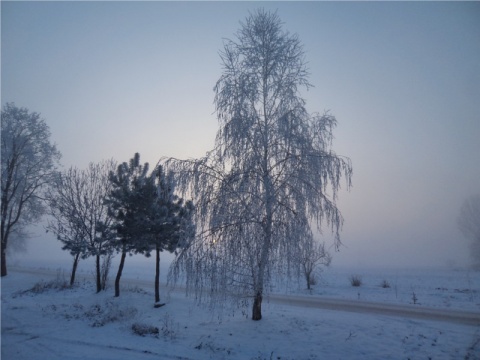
{"x":76,"y":323}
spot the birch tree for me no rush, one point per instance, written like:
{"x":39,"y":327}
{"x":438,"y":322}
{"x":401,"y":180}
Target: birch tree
{"x":271,"y":176}
{"x":28,"y":162}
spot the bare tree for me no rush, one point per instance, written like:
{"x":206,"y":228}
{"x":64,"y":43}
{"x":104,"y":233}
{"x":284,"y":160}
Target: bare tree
{"x":469,"y":225}
{"x":313,"y":255}
{"x":28,"y":162}
{"x":270,"y":175}
{"x":77,"y":207}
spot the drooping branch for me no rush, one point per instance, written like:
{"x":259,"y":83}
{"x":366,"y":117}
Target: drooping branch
{"x":271,"y":174}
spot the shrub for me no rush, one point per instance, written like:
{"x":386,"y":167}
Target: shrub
{"x":414,"y":298}
{"x":385,"y":284}
{"x":356,"y":280}
{"x":143,"y":330}
{"x":169,"y":327}
{"x":59,"y":283}
{"x":136,"y":290}
{"x":110,"y":312}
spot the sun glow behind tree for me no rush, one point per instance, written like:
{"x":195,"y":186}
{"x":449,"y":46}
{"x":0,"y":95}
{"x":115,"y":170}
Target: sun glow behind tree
{"x":269,"y":175}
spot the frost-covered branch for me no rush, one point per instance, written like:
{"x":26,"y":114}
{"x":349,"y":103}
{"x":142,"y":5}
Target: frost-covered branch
{"x":271,"y":174}
{"x":28,"y":163}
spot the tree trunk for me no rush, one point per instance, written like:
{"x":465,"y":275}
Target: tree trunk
{"x":4,"y":233}
{"x":267,"y":228}
{"x":259,"y":281}
{"x":105,"y":269}
{"x":76,"y":259}
{"x":4,"y":261}
{"x":260,"y":278}
{"x":119,"y":273}
{"x":257,"y":307}
{"x":157,"y":276}
{"x":308,"y":275}
{"x":99,"y":278}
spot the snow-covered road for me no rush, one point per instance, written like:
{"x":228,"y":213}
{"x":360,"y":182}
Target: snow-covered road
{"x":364,"y":307}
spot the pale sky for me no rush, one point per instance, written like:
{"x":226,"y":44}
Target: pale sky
{"x":402,"y":79}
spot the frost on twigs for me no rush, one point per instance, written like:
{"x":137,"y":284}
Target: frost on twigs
{"x":28,"y":163}
{"x":79,"y":216}
{"x":271,"y":179}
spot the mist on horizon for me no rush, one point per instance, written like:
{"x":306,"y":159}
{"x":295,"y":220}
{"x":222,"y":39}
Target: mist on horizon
{"x":402,"y":79}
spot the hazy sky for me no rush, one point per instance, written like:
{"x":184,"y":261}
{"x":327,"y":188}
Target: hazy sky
{"x":402,"y":79}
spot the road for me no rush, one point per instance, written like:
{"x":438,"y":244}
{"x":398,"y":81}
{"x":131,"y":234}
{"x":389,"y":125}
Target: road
{"x":357,"y":306}
{"x":364,"y":307}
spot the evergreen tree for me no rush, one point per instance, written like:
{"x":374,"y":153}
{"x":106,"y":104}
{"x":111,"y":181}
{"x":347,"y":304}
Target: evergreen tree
{"x":128,"y":204}
{"x":148,"y":215}
{"x":171,"y":221}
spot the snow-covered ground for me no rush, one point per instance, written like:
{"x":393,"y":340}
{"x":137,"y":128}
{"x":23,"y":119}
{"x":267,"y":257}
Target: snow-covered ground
{"x":49,"y":323}
{"x":440,"y":288}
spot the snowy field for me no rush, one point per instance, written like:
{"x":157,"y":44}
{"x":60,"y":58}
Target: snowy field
{"x":41,"y":321}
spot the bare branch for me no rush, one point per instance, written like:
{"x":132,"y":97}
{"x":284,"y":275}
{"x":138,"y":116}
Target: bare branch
{"x":270,"y":175}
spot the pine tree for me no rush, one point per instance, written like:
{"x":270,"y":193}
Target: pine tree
{"x":148,"y":215}
{"x":171,"y":221}
{"x":128,"y":204}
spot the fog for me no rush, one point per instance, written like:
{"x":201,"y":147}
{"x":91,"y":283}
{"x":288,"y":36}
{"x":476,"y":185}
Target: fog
{"x":402,"y":79}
